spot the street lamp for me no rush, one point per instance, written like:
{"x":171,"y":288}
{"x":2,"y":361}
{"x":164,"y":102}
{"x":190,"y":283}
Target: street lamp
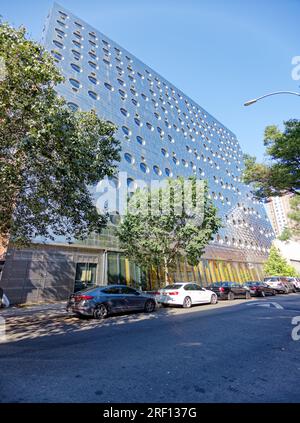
{"x":249,"y":102}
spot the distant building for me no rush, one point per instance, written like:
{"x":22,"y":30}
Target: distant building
{"x":163,"y":134}
{"x":290,"y":251}
{"x":278,"y":209}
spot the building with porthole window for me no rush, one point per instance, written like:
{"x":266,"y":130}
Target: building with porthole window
{"x":163,"y":133}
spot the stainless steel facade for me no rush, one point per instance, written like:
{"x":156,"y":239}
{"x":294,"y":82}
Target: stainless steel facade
{"x":163,"y":134}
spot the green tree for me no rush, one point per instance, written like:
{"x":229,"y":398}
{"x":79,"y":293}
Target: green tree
{"x":50,"y":156}
{"x":294,"y":216}
{"x":165,"y":224}
{"x":276,"y":265}
{"x":281,"y":175}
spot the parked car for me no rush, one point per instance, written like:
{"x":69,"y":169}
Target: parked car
{"x":280,"y":283}
{"x":295,"y":282}
{"x":230,"y":290}
{"x":186,"y":294}
{"x":259,"y":289}
{"x":102,"y":301}
{"x":4,"y":301}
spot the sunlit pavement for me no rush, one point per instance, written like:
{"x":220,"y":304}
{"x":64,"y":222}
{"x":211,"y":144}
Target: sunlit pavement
{"x":240,"y":351}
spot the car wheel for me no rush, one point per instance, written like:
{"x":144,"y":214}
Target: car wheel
{"x":149,"y":306}
{"x":187,"y":303}
{"x":100,"y":312}
{"x":230,"y":296}
{"x":214,"y":299}
{"x":248,"y":295}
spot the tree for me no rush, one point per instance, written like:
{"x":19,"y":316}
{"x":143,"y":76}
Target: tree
{"x":282,"y":174}
{"x":276,"y":265}
{"x":167,"y":223}
{"x":50,"y":156}
{"x":294,"y":216}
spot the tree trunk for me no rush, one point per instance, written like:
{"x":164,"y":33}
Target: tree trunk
{"x":166,"y":271}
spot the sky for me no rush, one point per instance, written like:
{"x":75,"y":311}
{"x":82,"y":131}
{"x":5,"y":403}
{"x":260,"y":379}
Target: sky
{"x":219,"y":53}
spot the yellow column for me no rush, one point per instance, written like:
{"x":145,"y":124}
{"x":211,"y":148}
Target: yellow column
{"x":221,"y":270}
{"x":231,"y":275}
{"x":127,"y":271}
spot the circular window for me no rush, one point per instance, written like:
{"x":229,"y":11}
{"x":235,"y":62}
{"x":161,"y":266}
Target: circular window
{"x":74,"y":82}
{"x":76,"y":43}
{"x":92,"y":79}
{"x":93,"y":95}
{"x":126,"y":130}
{"x":131,"y":184}
{"x":184,"y":162}
{"x":58,"y":44}
{"x":92,"y":55}
{"x":75,"y":67}
{"x":108,"y":86}
{"x":140,"y":140}
{"x":93,"y":65}
{"x":73,"y":106}
{"x":144,"y":168}
{"x":149,"y":126}
{"x":61,"y":23}
{"x":138,"y":122}
{"x":168,"y":172}
{"x":157,"y":170}
{"x":56,"y":55}
{"x":76,"y":54}
{"x":164,"y":152}
{"x":124,"y":112}
{"x":129,"y":158}
{"x":60,"y":32}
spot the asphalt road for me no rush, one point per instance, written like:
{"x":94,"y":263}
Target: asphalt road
{"x":225,"y":353}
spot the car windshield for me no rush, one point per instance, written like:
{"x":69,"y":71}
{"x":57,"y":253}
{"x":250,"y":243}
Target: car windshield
{"x":174,"y":286}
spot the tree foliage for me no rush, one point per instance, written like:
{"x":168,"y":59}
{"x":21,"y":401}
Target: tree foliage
{"x":281,"y":175}
{"x":49,"y":155}
{"x":294,"y":216}
{"x":178,"y":222}
{"x":276,"y":265}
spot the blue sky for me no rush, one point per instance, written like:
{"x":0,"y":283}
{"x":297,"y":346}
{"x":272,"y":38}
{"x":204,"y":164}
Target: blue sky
{"x":220,"y":53}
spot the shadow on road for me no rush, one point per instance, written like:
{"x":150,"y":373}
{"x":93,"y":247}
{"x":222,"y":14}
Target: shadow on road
{"x":19,"y":328}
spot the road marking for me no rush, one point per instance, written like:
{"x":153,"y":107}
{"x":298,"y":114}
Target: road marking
{"x":269,"y":305}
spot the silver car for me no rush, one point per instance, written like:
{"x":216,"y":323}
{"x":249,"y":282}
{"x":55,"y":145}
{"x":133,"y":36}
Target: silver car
{"x":99,"y":302}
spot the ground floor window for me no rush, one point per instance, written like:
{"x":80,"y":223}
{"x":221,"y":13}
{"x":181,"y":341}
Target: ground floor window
{"x":121,"y":271}
{"x":85,"y":276}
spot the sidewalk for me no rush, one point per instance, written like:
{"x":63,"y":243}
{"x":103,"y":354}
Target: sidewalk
{"x":48,"y":308}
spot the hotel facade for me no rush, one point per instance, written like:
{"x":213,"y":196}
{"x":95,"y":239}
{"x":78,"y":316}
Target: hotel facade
{"x":163,"y":134}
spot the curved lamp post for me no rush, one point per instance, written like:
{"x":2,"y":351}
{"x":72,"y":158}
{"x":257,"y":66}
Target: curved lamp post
{"x":249,"y":102}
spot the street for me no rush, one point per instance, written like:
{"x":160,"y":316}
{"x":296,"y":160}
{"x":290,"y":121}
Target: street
{"x":240,"y":351}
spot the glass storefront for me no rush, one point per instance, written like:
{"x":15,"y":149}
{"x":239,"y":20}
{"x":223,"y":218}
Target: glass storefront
{"x":85,"y":276}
